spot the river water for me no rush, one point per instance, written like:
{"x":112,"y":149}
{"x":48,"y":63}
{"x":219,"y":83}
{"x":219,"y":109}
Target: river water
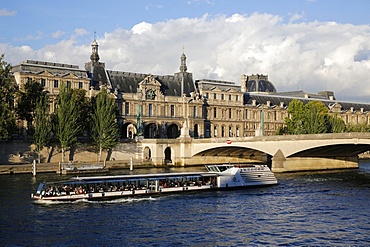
{"x":330,"y":208}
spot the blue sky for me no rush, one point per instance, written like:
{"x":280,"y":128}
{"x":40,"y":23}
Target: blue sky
{"x":37,"y":23}
{"x":310,"y":45}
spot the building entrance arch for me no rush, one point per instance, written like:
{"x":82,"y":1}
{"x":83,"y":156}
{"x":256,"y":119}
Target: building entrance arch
{"x":150,"y":131}
{"x":147,"y":154}
{"x":196,"y":134}
{"x":128,"y":131}
{"x":173,"y":131}
{"x":167,"y":156}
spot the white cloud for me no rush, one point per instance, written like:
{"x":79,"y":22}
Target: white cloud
{"x":57,"y":34}
{"x":141,"y":27}
{"x":5,"y":12}
{"x":80,"y":31}
{"x":312,"y":56}
{"x":295,"y":17}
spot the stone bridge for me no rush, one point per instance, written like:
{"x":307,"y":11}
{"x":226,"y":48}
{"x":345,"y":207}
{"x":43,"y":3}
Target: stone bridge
{"x":282,"y":153}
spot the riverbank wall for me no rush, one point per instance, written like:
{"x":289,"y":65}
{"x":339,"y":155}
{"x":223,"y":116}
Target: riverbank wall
{"x":13,"y":169}
{"x":24,"y":152}
{"x":17,"y":157}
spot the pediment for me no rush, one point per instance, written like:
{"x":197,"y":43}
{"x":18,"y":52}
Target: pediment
{"x":231,"y":90}
{"x":215,"y":89}
{"x":150,"y":81}
{"x":336,"y":107}
{"x":69,"y":76}
{"x":44,"y":73}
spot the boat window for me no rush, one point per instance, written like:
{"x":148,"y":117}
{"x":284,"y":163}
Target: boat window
{"x":41,"y":185}
{"x":214,"y":169}
{"x":222,"y":168}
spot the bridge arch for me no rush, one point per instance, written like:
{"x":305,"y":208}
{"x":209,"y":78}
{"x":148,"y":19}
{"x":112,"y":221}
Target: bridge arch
{"x":332,"y":150}
{"x":234,"y":152}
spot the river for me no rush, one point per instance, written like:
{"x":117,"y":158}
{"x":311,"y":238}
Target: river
{"x":330,"y":208}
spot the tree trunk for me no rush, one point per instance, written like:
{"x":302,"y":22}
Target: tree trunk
{"x":100,"y":153}
{"x":63,"y":150}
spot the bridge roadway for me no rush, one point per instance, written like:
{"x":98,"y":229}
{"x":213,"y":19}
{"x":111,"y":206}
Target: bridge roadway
{"x":283,"y":153}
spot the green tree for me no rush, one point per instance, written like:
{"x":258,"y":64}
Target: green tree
{"x":315,"y":118}
{"x":294,"y":123}
{"x":84,"y":111}
{"x":361,"y":127}
{"x":67,"y":119}
{"x":311,"y":118}
{"x":7,"y":92}
{"x":335,"y":124}
{"x":28,"y":97}
{"x":104,"y":131}
{"x":42,"y":125}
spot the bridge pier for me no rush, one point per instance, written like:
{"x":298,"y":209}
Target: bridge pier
{"x":295,"y":164}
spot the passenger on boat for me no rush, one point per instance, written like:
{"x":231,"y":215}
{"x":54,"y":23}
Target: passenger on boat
{"x":80,"y":190}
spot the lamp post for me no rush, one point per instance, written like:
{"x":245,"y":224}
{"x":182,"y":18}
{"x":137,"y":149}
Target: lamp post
{"x":139,"y":122}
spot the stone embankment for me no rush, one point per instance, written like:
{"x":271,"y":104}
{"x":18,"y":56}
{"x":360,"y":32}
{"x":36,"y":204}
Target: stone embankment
{"x":55,"y":167}
{"x":17,"y":157}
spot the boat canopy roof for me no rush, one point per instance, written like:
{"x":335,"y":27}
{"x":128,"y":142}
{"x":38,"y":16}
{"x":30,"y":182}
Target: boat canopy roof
{"x":142,"y":177}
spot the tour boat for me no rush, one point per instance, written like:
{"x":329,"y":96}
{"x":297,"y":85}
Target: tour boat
{"x":111,"y":187}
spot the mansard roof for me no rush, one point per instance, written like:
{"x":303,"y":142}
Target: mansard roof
{"x":128,"y":82}
{"x":259,"y":83}
{"x":277,"y":99}
{"x":207,"y":84}
{"x":56,"y":69}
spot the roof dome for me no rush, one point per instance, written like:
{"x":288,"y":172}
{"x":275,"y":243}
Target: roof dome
{"x":259,"y":83}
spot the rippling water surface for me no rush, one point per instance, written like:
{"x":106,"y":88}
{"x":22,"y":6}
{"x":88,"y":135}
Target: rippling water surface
{"x":330,"y":208}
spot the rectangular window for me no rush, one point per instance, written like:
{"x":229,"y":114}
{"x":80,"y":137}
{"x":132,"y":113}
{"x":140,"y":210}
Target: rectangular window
{"x":80,"y":84}
{"x":230,"y":113}
{"x":127,"y":108}
{"x":194,"y":111}
{"x":68,"y":84}
{"x":207,"y":95}
{"x":56,"y":83}
{"x":237,"y":98}
{"x":246,"y":113}
{"x":150,"y":110}
{"x":172,"y":110}
{"x":214,"y":96}
{"x":214,"y":113}
{"x":222,"y":97}
{"x":229,"y":96}
{"x":43,"y":82}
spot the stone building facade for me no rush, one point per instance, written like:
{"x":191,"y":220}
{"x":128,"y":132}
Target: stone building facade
{"x":158,"y":106}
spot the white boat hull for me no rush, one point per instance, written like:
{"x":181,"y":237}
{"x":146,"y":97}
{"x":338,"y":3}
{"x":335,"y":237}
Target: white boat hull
{"x":105,"y":187}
